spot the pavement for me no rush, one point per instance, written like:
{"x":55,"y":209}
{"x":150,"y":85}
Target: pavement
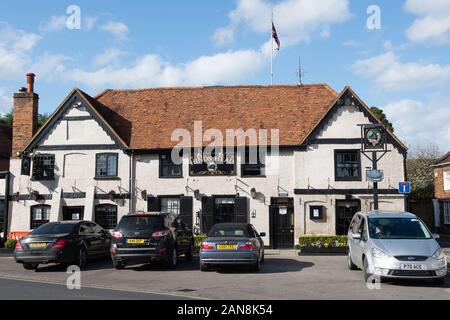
{"x":283,"y":276}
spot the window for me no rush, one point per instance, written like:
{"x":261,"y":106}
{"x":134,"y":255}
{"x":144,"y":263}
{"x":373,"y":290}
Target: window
{"x":106,"y":216}
{"x":447,"y":212}
{"x":253,"y":163}
{"x":347,"y":165}
{"x":446,"y":180}
{"x":170,"y":205}
{"x":168,"y":169}
{"x":40,"y":215}
{"x":106,"y":165}
{"x":44,"y":167}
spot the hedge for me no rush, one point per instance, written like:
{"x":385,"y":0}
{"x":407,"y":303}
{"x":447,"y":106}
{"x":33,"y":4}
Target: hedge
{"x":10,"y":244}
{"x":198,"y":240}
{"x":323,"y":241}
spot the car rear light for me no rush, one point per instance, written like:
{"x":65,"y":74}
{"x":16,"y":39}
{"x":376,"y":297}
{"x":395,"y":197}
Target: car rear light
{"x":247,"y":246}
{"x":18,"y":246}
{"x":60,"y":244}
{"x":113,"y":249}
{"x":162,"y":250}
{"x":117,"y":234}
{"x":160,"y":234}
{"x":206,"y":246}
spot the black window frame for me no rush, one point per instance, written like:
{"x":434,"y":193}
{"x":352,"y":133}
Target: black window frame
{"x":245,"y":157}
{"x":108,"y":155}
{"x":39,"y":169}
{"x":42,"y":221}
{"x":358,"y":158}
{"x":107,"y":225}
{"x":167,"y":162}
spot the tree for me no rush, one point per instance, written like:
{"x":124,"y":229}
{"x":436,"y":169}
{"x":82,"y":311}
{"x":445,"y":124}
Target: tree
{"x":7,"y":119}
{"x":379,"y":113}
{"x":420,"y":171}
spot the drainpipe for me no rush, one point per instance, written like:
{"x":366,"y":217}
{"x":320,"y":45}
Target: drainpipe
{"x":131,"y":182}
{"x":6,"y":219}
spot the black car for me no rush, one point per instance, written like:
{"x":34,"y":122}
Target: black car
{"x":147,"y":237}
{"x":67,"y":242}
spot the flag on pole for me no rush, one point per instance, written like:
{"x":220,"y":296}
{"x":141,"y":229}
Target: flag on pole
{"x":275,"y":36}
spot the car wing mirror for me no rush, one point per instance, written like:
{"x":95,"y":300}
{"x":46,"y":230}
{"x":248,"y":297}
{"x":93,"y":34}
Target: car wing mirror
{"x":262,"y":234}
{"x":356,"y":236}
{"x":436,"y":236}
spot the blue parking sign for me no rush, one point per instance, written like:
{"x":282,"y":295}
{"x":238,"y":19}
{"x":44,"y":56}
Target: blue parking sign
{"x":404,"y":187}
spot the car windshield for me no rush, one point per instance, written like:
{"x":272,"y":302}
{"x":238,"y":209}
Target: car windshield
{"x":54,"y":228}
{"x":149,"y":223}
{"x":398,"y":228}
{"x":229,"y":231}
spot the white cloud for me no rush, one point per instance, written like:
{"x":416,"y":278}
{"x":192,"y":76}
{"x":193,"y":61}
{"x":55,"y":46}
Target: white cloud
{"x":421,"y":123}
{"x":152,"y":70}
{"x":5,"y":102}
{"x":55,"y":23}
{"x":223,"y":36}
{"x":391,"y":74}
{"x":118,"y":29}
{"x":433,"y":23}
{"x":295,"y":20}
{"x":109,"y":56}
{"x":15,"y":48}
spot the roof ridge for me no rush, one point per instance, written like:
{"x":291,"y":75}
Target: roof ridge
{"x":219,"y":87}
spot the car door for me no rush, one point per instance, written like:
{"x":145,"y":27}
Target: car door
{"x":354,"y":227}
{"x":103,"y":239}
{"x":88,"y":237}
{"x":360,"y":244}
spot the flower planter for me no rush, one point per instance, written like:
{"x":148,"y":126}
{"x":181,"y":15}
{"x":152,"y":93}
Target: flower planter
{"x":322,"y":251}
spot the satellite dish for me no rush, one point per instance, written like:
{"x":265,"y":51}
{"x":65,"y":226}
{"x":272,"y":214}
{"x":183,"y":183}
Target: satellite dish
{"x":374,"y":175}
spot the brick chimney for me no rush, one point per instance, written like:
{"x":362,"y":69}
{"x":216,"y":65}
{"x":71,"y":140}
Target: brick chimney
{"x":25,"y":116}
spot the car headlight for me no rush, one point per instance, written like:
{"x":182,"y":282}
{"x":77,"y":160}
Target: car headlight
{"x":379,"y":254}
{"x":438,"y":254}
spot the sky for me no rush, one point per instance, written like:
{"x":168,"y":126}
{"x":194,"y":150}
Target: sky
{"x":393,"y":53}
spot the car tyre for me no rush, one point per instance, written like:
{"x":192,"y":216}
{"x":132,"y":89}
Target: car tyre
{"x":188,"y":255}
{"x":350,"y":263}
{"x":81,"y":257}
{"x":30,"y":266}
{"x":119,"y":265}
{"x":439,"y":281}
{"x":204,"y":267}
{"x":367,"y":275}
{"x":257,"y":265}
{"x":262,"y":258}
{"x":172,"y":259}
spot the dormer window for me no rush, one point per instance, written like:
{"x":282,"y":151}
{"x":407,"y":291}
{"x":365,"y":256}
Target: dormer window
{"x":44,"y":167}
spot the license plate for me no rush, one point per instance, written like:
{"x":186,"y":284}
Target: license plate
{"x":135,"y":241}
{"x":226,"y":247}
{"x":412,"y":266}
{"x":38,"y":245}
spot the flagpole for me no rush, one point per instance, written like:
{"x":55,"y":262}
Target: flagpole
{"x":271,"y":53}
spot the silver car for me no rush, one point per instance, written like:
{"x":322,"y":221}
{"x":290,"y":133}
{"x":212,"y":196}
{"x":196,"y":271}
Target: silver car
{"x":394,"y":245}
{"x":232,"y":244}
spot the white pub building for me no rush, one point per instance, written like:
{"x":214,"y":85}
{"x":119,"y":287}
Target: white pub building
{"x":99,"y":158}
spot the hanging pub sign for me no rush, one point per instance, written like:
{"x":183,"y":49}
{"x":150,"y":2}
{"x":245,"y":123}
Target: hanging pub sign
{"x":374,"y":137}
{"x":204,"y":164}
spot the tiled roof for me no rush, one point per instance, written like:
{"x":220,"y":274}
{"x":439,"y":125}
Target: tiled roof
{"x":5,"y":141}
{"x":146,"y":118}
{"x":443,"y":159}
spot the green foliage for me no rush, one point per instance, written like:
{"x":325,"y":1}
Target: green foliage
{"x":323,"y":241}
{"x":7,"y":119}
{"x":382,"y":117}
{"x":10,"y":244}
{"x":198,"y":240}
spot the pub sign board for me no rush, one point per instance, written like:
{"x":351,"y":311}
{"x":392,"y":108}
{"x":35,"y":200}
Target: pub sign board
{"x":220,"y":164}
{"x":374,"y":137}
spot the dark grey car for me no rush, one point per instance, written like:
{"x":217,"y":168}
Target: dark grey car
{"x":232,"y":244}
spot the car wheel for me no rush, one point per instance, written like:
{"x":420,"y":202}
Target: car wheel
{"x":30,"y":266}
{"x":257,"y":265}
{"x":118,"y":265}
{"x":203,"y":267}
{"x":171,"y":259}
{"x":262,"y":259}
{"x":350,"y":263}
{"x":190,"y":252}
{"x":81,"y":257}
{"x":367,"y":275}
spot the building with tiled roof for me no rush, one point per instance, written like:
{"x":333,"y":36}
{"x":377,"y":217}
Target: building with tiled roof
{"x":442,"y":192}
{"x":99,"y":157}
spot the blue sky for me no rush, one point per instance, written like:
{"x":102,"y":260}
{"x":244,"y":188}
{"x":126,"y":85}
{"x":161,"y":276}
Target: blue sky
{"x":403,"y":67}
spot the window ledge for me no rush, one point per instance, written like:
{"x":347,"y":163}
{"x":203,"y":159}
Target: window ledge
{"x":107,"y":178}
{"x":171,"y":177}
{"x":260,"y":176}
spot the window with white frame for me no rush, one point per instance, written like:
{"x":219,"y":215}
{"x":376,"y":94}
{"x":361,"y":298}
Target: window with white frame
{"x":446,"y":180}
{"x":170,"y":205}
{"x":447,"y":212}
